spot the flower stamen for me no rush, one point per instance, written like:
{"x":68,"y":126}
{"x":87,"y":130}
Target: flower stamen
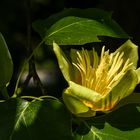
{"x":101,"y":74}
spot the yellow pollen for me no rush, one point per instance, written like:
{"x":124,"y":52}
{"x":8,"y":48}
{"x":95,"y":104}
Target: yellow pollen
{"x":101,"y":74}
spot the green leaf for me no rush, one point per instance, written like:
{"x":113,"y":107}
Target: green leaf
{"x":20,"y":120}
{"x":6,"y":64}
{"x":41,"y":26}
{"x":75,"y":30}
{"x":85,"y":24}
{"x":122,"y":124}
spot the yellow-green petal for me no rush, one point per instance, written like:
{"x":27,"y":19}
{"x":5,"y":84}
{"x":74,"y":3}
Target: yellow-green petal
{"x":76,"y":74}
{"x":124,"y":88}
{"x":89,"y":113}
{"x":130,"y":52}
{"x":83,"y":93}
{"x":138,"y":74}
{"x":76,"y":106}
{"x":73,"y":104}
{"x":126,"y":85}
{"x":63,"y":62}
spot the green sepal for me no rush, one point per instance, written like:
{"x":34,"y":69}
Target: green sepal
{"x":63,"y":62}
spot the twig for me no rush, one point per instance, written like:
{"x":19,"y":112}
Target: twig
{"x":31,"y":61}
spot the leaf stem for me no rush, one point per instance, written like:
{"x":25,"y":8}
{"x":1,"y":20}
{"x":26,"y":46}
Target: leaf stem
{"x":47,"y":96}
{"x":23,"y":68}
{"x":31,"y":97}
{"x":39,"y":98}
{"x":30,"y":59}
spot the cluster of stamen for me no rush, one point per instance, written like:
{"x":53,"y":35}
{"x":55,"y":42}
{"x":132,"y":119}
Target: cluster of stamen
{"x":101,"y":74}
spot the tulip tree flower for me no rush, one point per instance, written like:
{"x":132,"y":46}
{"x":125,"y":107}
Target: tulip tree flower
{"x":98,"y":82}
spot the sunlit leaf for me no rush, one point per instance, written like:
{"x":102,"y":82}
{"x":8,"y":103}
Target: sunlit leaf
{"x":75,"y":30}
{"x":41,"y":26}
{"x":122,"y":124}
{"x":76,"y":26}
{"x":20,"y":120}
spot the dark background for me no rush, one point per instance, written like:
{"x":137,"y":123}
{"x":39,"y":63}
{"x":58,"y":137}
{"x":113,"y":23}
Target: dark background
{"x":13,"y":25}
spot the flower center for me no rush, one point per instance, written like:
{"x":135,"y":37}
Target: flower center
{"x":101,"y":74}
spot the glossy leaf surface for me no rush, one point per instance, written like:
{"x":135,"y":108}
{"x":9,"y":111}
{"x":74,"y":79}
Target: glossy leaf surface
{"x":20,"y":120}
{"x":75,"y":30}
{"x":41,"y":26}
{"x":76,"y":26}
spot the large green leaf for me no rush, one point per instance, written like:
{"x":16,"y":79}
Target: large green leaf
{"x":122,"y":124}
{"x":41,"y":26}
{"x":38,"y":120}
{"x":83,"y":26}
{"x":6,"y":64}
{"x":75,"y":30}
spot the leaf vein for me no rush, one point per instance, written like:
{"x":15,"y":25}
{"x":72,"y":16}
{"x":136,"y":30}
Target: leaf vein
{"x":64,"y":27}
{"x":18,"y":119}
